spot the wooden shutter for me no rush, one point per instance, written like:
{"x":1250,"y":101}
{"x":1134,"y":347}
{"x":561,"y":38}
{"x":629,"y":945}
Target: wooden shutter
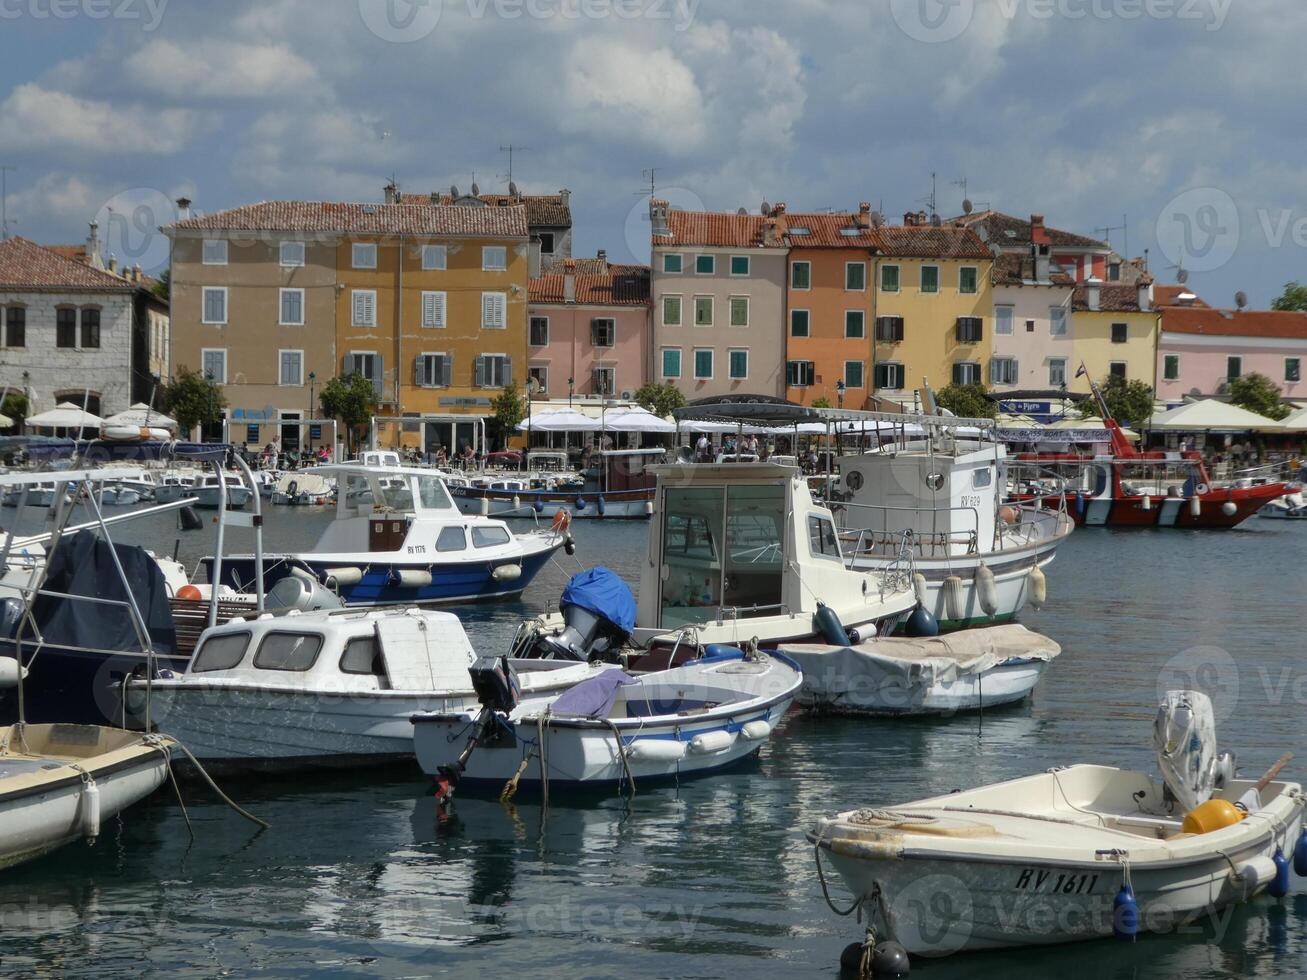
{"x":433,"y":310}
{"x":508,"y":371}
{"x":480,"y":372}
{"x":379,"y":376}
{"x":419,"y":367}
{"x":446,"y":371}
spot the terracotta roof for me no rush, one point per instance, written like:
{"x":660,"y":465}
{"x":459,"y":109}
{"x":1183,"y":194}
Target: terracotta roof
{"x":1013,"y":269}
{"x":620,"y":285}
{"x":1007,"y":231}
{"x":27,"y":265}
{"x":1205,"y":321}
{"x":929,"y":242}
{"x":75,"y":252}
{"x":349,"y":218}
{"x":542,"y":210}
{"x":1113,"y":297}
{"x":1170,"y":295}
{"x":826,"y":230}
{"x":714,"y":228}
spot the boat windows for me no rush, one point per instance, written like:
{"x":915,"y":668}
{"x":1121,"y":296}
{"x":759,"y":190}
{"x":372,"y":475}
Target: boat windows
{"x":362,"y":656}
{"x":451,"y":539}
{"x":982,"y":479}
{"x":432,"y":494}
{"x":288,"y":651}
{"x":821,"y":538}
{"x":489,"y":537}
{"x":222,"y":652}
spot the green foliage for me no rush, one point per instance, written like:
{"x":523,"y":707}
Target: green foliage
{"x":967,"y":401}
{"x":1130,"y":402}
{"x":660,"y":399}
{"x":162,"y":288}
{"x":1294,"y":297}
{"x":192,"y":399}
{"x":508,"y":412}
{"x":16,"y":407}
{"x":1257,"y":393}
{"x":351,"y":399}
{"x":822,"y":402}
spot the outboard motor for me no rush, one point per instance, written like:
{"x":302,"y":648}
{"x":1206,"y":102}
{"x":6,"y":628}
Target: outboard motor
{"x":11,"y":614}
{"x":301,"y":593}
{"x":1184,"y":736}
{"x":495,"y":683}
{"x":598,"y":616}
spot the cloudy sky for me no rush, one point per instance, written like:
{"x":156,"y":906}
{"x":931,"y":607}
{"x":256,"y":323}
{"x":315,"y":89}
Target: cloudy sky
{"x":1178,"y":114}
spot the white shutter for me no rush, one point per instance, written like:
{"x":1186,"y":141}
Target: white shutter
{"x":365,"y":308}
{"x":433,"y":310}
{"x":493,"y":310}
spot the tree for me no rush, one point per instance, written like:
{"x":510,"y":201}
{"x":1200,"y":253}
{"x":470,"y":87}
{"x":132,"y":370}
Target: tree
{"x":820,"y":402}
{"x":1294,"y":297}
{"x":1130,"y":402}
{"x":1257,"y":393}
{"x":16,"y":407}
{"x":966,"y":401}
{"x":352,"y":399}
{"x":163,"y":286}
{"x":192,"y":399}
{"x":660,"y":399}
{"x":508,"y":412}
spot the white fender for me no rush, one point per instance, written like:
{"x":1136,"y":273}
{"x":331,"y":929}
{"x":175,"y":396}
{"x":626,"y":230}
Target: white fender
{"x":987,"y":590}
{"x":1229,"y":509}
{"x":1195,"y":506}
{"x":90,"y":809}
{"x":485,"y":506}
{"x":706,"y":743}
{"x":349,"y":575}
{"x":1038,"y":588}
{"x":953,"y":604}
{"x":1146,"y":503}
{"x":1253,"y":874}
{"x":507,"y":573}
{"x":9,"y":672}
{"x":921,"y":588}
{"x":517,"y":502}
{"x":413,"y":578}
{"x":656,"y":750}
{"x":756,"y":730}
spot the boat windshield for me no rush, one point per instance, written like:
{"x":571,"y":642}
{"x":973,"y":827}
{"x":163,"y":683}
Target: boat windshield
{"x":398,"y":493}
{"x":432,"y":494}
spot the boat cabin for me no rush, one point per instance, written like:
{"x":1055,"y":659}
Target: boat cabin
{"x":630,"y":469}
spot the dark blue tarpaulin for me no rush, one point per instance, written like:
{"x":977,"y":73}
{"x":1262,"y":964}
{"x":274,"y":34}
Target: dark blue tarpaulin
{"x":602,"y":592}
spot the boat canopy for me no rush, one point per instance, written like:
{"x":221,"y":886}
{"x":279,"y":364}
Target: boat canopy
{"x":602,"y":592}
{"x":364,"y":490}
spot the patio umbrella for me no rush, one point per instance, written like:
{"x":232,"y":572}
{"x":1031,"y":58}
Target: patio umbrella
{"x":559,"y":420}
{"x":65,"y":415}
{"x":1296,"y":422}
{"x":635,"y":420}
{"x":1212,"y":415}
{"x":5,"y":421}
{"x":142,"y":416}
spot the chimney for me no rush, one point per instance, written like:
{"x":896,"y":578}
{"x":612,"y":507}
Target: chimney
{"x":1042,"y":262}
{"x":136,"y":272}
{"x":566,"y":195}
{"x":914,"y":219}
{"x":113,"y":263}
{"x":1185,"y":298}
{"x":533,"y":259}
{"x":183,"y":208}
{"x":1038,"y":233}
{"x":569,"y":280}
{"x":658,"y":218}
{"x":93,"y":247}
{"x":1093,"y":292}
{"x":779,"y":209}
{"x":603,"y":260}
{"x":771,"y":233}
{"x":1145,"y":295}
{"x":435,"y":197}
{"x":864,"y":215}
{"x":392,"y":193}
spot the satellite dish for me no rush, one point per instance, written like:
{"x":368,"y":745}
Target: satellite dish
{"x":453,"y":191}
{"x":475,"y":189}
{"x":1182,"y":276}
{"x":967,"y":206}
{"x":512,"y":188}
{"x":982,"y":233}
{"x":766,"y":208}
{"x":877,"y":219}
{"x":936,"y":221}
{"x":1241,"y":299}
{"x":742,"y":212}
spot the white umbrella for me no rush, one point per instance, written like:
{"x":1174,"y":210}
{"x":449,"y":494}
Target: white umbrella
{"x":559,"y":420}
{"x":635,"y":420}
{"x":1212,"y":415}
{"x":65,"y":415}
{"x":5,"y":421}
{"x":1297,"y":422}
{"x":142,"y":415}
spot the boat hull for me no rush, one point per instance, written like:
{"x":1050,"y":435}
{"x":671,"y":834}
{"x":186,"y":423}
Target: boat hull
{"x":208,"y":498}
{"x":879,"y":693}
{"x":76,"y":686}
{"x":1177,"y":512}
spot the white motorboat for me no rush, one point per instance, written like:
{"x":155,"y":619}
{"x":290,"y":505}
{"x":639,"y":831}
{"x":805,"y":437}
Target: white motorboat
{"x":175,"y":485}
{"x":1290,"y":507}
{"x":611,"y":729}
{"x":59,"y":783}
{"x":625,"y":491}
{"x":300,"y":488}
{"x":325,"y":689}
{"x":208,"y":492}
{"x":43,"y":494}
{"x":966,"y":671}
{"x":120,"y":494}
{"x":1072,"y":854}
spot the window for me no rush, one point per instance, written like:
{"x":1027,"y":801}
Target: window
{"x":739,"y":311}
{"x":90,"y":328}
{"x":739,"y":265}
{"x":1120,"y":333}
{"x":494,"y":311}
{"x":213,"y":362}
{"x":1056,"y":321}
{"x":966,"y":373}
{"x":16,"y":326}
{"x":800,"y":374}
{"x":1292,"y":368}
{"x":1002,"y":370}
{"x":368,"y":365}
{"x":214,"y":304}
{"x":364,"y":302}
{"x":703,"y":365}
{"x":222,"y":652}
{"x":451,"y":539}
{"x":970,"y":329}
{"x":1171,"y":367}
{"x":361,"y":656}
{"x":432,"y":370}
{"x":1057,"y":371}
{"x":889,"y":375}
{"x":968,"y":279}
{"x":540,"y":375}
{"x":603,"y":380}
{"x":1114,"y":272}
{"x":671,"y":262}
{"x":799,"y":323}
{"x":704,"y":265}
{"x":930,"y":278}
{"x":539,"y":331}
{"x":214,"y":252}
{"x":603,"y":331}
{"x":672,"y":310}
{"x":703,"y":311}
{"x":855,"y":324}
{"x":292,"y":308}
{"x":288,"y":651}
{"x":801,"y":275}
{"x":1003,"y":320}
{"x":493,"y":370}
{"x":1117,"y":369}
{"x":364,"y":256}
{"x":292,"y":255}
{"x":434,"y":258}
{"x":489,"y":537}
{"x":433,"y":310}
{"x":739,"y":365}
{"x":889,"y":329}
{"x":853,"y":371}
{"x":494,"y":258}
{"x":671,"y":362}
{"x":65,"y":327}
{"x":889,"y":278}
{"x":855,"y":276}
{"x":1233,"y":367}
{"x":546,"y":243}
{"x":822,"y":542}
{"x":290,"y":367}
{"x":1030,"y":326}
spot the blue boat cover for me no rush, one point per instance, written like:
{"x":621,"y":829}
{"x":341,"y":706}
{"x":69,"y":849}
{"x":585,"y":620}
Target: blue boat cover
{"x":602,"y":592}
{"x":593,"y":697}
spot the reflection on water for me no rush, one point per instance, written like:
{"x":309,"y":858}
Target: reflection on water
{"x":362,"y":876}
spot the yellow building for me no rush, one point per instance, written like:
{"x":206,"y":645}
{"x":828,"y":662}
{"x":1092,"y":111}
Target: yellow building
{"x":1114,"y":330}
{"x":933,"y":309}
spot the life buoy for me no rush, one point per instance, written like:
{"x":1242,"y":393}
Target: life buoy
{"x":562,"y":520}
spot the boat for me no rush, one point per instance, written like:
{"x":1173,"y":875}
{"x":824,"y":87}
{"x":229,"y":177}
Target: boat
{"x":936,"y":503}
{"x":37,"y":494}
{"x":625,"y":492}
{"x":612,"y":730}
{"x":175,"y":485}
{"x":1290,"y":507}
{"x":397,"y":538}
{"x":121,"y":495}
{"x":60,"y":783}
{"x":325,"y":689}
{"x":1071,"y":854}
{"x":209,"y":492}
{"x":299,"y":488}
{"x":967,"y":671}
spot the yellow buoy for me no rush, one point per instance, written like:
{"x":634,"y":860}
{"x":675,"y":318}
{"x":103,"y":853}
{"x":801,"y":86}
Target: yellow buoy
{"x":1210,"y":816}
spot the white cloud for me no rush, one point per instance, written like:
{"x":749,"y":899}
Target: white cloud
{"x":36,"y":118}
{"x":218,"y":69}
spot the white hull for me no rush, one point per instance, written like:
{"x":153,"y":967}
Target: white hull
{"x":208,"y":497}
{"x":878,"y":692}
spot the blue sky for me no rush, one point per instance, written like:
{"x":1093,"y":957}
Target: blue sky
{"x":1180,"y":114}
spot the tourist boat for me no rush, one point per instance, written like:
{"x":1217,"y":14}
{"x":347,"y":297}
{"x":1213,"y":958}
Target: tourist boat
{"x":59,"y":783}
{"x":936,"y":503}
{"x":970,"y":671}
{"x":1290,"y":507}
{"x":626,"y":491}
{"x":325,"y":689}
{"x":1073,"y":853}
{"x":397,"y":538}
{"x":208,"y":492}
{"x":612,"y":729}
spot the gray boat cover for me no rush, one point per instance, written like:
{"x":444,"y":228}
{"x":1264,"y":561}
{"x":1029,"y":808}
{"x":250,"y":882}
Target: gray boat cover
{"x":593,"y":697}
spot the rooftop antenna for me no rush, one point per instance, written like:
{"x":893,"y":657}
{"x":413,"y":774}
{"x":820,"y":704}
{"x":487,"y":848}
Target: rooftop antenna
{"x":651,"y":175}
{"x":1124,"y":228}
{"x":930,"y":201}
{"x":1181,"y":273}
{"x":510,"y":149}
{"x":4,"y":202}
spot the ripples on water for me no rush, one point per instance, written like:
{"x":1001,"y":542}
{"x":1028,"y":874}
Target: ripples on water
{"x":359,"y":876}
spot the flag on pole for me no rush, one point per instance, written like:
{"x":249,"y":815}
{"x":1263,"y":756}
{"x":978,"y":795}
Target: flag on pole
{"x":1081,"y":372}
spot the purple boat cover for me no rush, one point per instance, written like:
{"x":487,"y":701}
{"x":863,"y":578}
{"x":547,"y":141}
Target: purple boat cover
{"x":592,"y":698}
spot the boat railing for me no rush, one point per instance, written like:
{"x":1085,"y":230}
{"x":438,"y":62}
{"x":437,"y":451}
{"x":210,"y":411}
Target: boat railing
{"x":878,"y":535}
{"x":900,"y":575}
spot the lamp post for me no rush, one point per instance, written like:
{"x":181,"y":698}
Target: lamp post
{"x":531,"y":385}
{"x":839,"y":392}
{"x":308,"y":431}
{"x":571,"y":386}
{"x":208,"y":376}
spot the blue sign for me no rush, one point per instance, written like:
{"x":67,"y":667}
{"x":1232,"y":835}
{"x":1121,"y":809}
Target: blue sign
{"x":315,"y":431}
{"x":251,"y":433}
{"x":1039,"y":411}
{"x":254,"y":414}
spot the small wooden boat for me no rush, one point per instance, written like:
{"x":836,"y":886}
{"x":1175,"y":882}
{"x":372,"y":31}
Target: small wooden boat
{"x":58,"y":783}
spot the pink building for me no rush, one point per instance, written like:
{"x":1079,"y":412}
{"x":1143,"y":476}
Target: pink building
{"x":589,"y":324}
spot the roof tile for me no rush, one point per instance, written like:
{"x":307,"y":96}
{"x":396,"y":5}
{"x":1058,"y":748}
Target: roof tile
{"x":27,"y":265}
{"x":1205,"y":321}
{"x":1007,"y":231}
{"x":356,"y":218}
{"x":620,"y":285}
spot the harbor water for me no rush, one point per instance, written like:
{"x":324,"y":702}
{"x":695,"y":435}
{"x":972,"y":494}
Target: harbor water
{"x":359,"y":874}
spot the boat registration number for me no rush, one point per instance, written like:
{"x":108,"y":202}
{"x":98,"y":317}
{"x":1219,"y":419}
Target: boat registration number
{"x":1056,"y":882}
